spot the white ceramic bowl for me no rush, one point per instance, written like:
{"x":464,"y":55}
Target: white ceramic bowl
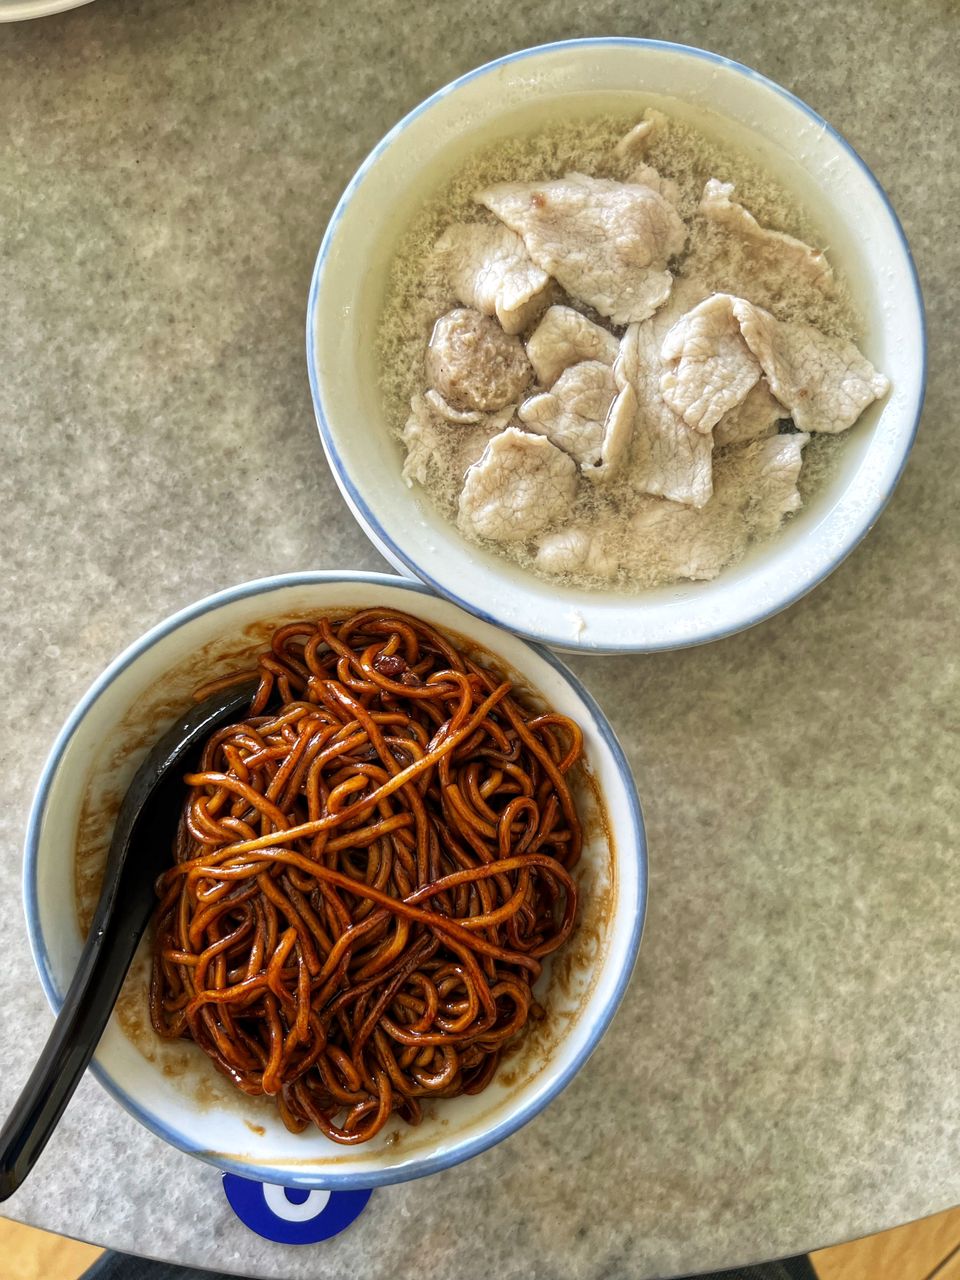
{"x":866,"y":243}
{"x":17,"y":10}
{"x":174,"y":1089}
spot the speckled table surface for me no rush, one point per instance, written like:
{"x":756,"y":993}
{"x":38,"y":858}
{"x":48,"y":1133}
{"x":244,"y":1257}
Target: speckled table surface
{"x":783,"y":1071}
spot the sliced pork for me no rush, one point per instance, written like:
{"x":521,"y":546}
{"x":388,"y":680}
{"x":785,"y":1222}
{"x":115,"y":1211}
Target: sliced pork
{"x":489,"y":269}
{"x":755,"y":486}
{"x":709,"y":368}
{"x":606,"y":242}
{"x":668,"y":458}
{"x":440,"y":450}
{"x":584,"y":415}
{"x":756,"y":415}
{"x":564,"y":337}
{"x":717,"y":204}
{"x":577,"y":550}
{"x":520,"y":486}
{"x":717,"y":351}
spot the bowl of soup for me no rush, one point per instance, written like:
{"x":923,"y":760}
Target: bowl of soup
{"x":405,"y":892}
{"x":636,"y":356}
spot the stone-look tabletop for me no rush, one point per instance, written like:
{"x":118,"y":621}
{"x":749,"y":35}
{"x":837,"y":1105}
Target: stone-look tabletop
{"x":783,"y":1072}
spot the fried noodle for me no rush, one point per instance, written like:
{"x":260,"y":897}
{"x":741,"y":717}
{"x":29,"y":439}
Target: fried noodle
{"x":368,"y":873}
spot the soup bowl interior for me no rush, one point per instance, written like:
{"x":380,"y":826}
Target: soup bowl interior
{"x":172,"y":1087}
{"x":515,"y":97}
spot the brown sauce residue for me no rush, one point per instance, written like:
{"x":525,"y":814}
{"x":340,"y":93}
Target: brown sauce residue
{"x":564,"y":987}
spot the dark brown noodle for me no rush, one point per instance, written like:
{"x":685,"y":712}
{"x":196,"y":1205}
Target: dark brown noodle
{"x":368,"y":874}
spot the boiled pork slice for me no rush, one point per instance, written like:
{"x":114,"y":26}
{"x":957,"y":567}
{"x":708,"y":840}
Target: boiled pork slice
{"x":606,"y":242}
{"x":439,"y":450}
{"x":668,"y":458}
{"x":646,"y":176}
{"x":756,"y":415}
{"x":708,"y":367}
{"x":755,"y":486}
{"x":519,"y":487}
{"x":577,"y":550}
{"x":717,"y":204}
{"x":489,"y":269}
{"x":446,"y":410}
{"x":617,"y":434}
{"x":565,"y":337}
{"x":823,"y":383}
{"x":767,"y":471}
{"x":586,"y":415}
{"x":634,"y":144}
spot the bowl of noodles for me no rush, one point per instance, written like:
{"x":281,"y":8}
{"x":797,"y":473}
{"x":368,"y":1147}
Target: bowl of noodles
{"x":405,"y":893}
{"x":567,"y":253}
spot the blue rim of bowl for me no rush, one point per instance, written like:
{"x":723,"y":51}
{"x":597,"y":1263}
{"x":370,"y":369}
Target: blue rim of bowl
{"x":361,"y":510}
{"x":303,"y":1177}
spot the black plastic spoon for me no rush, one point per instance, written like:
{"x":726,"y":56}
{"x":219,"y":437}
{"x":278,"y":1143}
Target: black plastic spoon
{"x":139,"y":851}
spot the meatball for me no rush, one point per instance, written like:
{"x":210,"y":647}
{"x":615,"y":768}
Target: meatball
{"x":474,"y":364}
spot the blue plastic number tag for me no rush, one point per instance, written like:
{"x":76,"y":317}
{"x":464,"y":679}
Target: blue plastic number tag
{"x":288,"y":1215}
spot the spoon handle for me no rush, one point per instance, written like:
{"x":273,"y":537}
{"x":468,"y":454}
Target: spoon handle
{"x":104,"y":962}
{"x":139,"y":850}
